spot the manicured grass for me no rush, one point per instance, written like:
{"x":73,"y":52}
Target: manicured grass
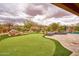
{"x":31,"y":45}
{"x":60,"y":50}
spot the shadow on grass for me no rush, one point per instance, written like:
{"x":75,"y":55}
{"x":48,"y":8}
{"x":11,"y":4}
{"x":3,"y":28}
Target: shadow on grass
{"x":60,"y":50}
{"x":2,"y":37}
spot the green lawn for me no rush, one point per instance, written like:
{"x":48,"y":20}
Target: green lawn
{"x":31,"y":45}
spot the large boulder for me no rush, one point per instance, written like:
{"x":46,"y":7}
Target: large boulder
{"x":50,"y":33}
{"x":14,"y":32}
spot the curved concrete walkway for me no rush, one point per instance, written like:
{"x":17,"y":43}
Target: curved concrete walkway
{"x":69,"y":41}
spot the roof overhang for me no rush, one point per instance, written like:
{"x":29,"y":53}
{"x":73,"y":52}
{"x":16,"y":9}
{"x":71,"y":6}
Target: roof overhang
{"x":71,"y":7}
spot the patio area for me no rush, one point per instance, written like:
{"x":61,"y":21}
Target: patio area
{"x":69,"y":41}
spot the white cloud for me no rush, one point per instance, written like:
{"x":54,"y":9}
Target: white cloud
{"x":16,"y":9}
{"x":42,"y":13}
{"x":68,"y":20}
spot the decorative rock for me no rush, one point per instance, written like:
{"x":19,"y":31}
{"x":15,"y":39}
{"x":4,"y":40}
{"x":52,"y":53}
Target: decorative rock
{"x":14,"y":32}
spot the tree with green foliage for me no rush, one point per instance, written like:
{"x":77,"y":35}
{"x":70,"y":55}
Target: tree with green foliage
{"x":77,"y":27}
{"x":62,"y":28}
{"x":9,"y":25}
{"x":28,"y":25}
{"x":53,"y":27}
{"x":32,"y":26}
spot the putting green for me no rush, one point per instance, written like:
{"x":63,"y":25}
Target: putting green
{"x":31,"y":45}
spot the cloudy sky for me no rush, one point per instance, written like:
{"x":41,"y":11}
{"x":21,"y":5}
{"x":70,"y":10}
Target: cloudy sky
{"x":41,"y":13}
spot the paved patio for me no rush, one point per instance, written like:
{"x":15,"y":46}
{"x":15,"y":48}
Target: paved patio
{"x":69,"y":41}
